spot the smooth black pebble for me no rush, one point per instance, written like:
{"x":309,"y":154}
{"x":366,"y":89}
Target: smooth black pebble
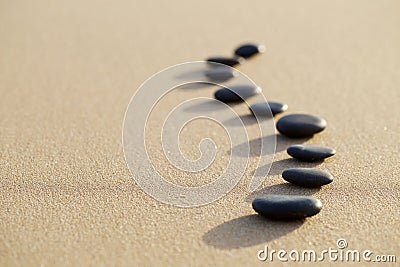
{"x":229,"y":61}
{"x":249,"y":50}
{"x":261,"y":108}
{"x":310,"y":152}
{"x":300,"y":125}
{"x":237,"y":93}
{"x":286,"y":207}
{"x":220,"y":74}
{"x":307,"y":177}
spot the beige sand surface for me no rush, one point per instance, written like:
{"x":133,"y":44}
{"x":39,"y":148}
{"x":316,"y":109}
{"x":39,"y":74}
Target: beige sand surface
{"x":69,"y":68}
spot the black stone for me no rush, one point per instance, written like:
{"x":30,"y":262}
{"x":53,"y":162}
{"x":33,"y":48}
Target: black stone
{"x":261,"y":108}
{"x":310,"y":152}
{"x":300,"y":125}
{"x":229,"y":61}
{"x":307,"y":177}
{"x":237,"y":93}
{"x":286,"y":207}
{"x":249,"y":50}
{"x":220,"y":74}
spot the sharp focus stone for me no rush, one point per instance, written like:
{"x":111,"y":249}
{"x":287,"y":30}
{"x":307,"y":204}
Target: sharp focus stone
{"x":286,"y":207}
{"x":300,"y":125}
{"x":310,"y":152}
{"x":307,"y":177}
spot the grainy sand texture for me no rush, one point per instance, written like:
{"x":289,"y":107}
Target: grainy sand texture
{"x":69,"y":68}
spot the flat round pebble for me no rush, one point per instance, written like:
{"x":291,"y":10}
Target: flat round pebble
{"x":236,"y":93}
{"x":310,"y":152}
{"x":261,"y":108}
{"x":307,"y":177}
{"x":286,"y":207}
{"x":249,"y":50}
{"x":220,"y":74}
{"x":229,"y":61}
{"x":300,"y":125}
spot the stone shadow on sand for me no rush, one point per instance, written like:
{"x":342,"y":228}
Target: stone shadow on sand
{"x":247,"y":231}
{"x":208,"y":106}
{"x":247,"y":120}
{"x":282,"y":143}
{"x":196,"y":86}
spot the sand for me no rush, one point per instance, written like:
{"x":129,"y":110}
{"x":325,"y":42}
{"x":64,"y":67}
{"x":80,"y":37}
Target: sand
{"x":68,"y":70}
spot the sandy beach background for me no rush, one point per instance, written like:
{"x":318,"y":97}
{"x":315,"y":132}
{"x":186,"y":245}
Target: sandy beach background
{"x":69,"y":68}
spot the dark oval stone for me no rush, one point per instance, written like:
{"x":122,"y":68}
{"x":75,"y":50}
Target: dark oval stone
{"x":300,"y":125}
{"x":286,"y":207}
{"x":307,"y":177}
{"x":310,"y":152}
{"x":229,"y":61}
{"x":220,"y":74}
{"x":261,"y":109}
{"x":236,"y":93}
{"x":249,"y":50}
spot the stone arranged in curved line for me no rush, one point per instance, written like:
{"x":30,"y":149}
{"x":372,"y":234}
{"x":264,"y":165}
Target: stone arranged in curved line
{"x":310,"y":152}
{"x":229,"y":61}
{"x":262,"y":108}
{"x":249,"y":50}
{"x":286,"y":207}
{"x":307,"y":177}
{"x":300,"y":125}
{"x":236,"y":93}
{"x":220,"y":74}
